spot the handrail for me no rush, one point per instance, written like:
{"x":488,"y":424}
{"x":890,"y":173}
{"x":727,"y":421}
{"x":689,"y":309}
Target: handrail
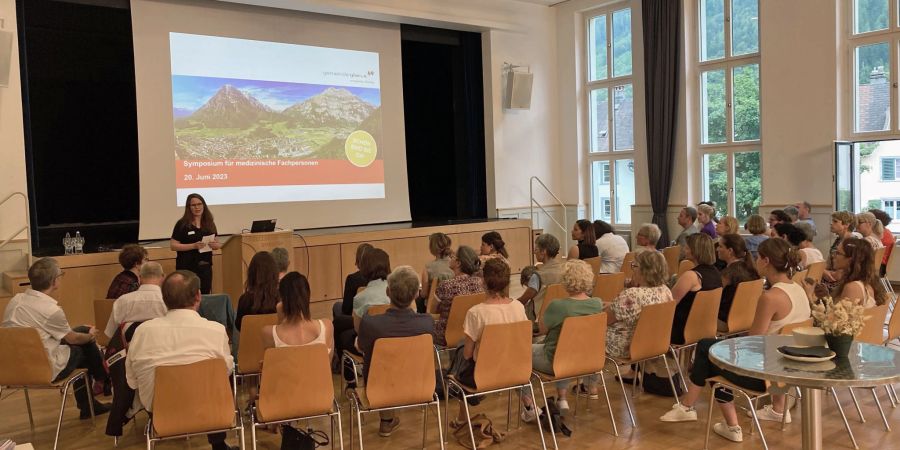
{"x":26,"y":228}
{"x":565,"y":225}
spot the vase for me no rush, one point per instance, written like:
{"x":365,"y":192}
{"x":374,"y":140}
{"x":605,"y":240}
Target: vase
{"x":839,"y":344}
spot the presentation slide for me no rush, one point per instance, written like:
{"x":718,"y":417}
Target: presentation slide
{"x":265,"y":122}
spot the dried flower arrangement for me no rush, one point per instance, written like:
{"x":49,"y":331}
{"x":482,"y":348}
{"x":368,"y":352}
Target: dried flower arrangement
{"x":844,"y":317}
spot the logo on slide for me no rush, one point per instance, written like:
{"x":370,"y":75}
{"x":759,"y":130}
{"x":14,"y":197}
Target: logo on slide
{"x":360,"y":148}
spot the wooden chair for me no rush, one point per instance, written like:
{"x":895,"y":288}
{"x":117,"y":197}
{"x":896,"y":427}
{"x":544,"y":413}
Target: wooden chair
{"x":873,"y":333}
{"x":24,"y":365}
{"x":879,"y":256}
{"x":684,"y":266}
{"x":800,"y":277}
{"x":193,"y":399}
{"x":750,"y":395}
{"x":349,"y":359}
{"x":672,"y":254}
{"x":888,"y":287}
{"x":102,"y":310}
{"x":401,"y":376}
{"x":287,"y":394}
{"x":461,"y":305}
{"x":815,"y":271}
{"x":626,"y":265}
{"x":743,"y":308}
{"x":504,"y":364}
{"x":431,"y":301}
{"x":702,"y":322}
{"x":554,"y":292}
{"x":580,"y":352}
{"x":893,"y":329}
{"x":595,"y":264}
{"x":650,"y":341}
{"x":250,"y":347}
{"x":607,"y":286}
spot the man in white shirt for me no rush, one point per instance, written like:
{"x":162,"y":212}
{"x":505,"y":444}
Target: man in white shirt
{"x":180,"y":337}
{"x":143,"y":304}
{"x":67,"y":348}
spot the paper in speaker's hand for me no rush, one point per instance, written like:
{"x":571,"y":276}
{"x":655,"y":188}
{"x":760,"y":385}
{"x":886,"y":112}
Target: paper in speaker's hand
{"x":206,"y":240}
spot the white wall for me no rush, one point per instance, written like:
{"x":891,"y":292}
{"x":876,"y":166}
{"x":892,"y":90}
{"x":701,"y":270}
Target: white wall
{"x":12,"y":140}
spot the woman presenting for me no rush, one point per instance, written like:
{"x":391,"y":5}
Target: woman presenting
{"x":187,"y":240}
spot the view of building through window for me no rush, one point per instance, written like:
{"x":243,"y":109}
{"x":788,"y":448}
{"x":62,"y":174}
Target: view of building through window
{"x":876,"y":184}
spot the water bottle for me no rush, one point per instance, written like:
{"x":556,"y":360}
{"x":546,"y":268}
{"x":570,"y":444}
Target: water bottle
{"x":68,"y":243}
{"x":79,"y":243}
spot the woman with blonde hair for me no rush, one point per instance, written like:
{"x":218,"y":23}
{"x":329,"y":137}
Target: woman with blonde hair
{"x":705,"y":215}
{"x":756,"y":226}
{"x":870,"y":228}
{"x":700,"y":249}
{"x":727,"y":225}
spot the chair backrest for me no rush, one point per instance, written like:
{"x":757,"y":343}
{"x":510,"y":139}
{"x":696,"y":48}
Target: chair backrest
{"x":102,"y":310}
{"x":581,"y":348}
{"x":192,"y":398}
{"x":879,"y":257}
{"x":743,"y":307}
{"x":286,"y":392}
{"x":431,"y":301}
{"x":653,"y":331}
{"x":873,"y":330}
{"x":893,"y":325}
{"x":401,"y":372}
{"x":702,"y":321}
{"x":250,"y":347}
{"x":788,"y":329}
{"x":377,"y":310}
{"x":672,"y":254}
{"x":608,"y":285}
{"x":815,"y":271}
{"x":458,"y":308}
{"x":504,"y":356}
{"x":595,"y":264}
{"x":554,"y":292}
{"x":23,"y":359}
{"x":626,"y":265}
{"x":800,"y":276}
{"x":684,"y":266}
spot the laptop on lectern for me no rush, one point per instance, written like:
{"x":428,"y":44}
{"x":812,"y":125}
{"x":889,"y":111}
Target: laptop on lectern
{"x":263,"y":226}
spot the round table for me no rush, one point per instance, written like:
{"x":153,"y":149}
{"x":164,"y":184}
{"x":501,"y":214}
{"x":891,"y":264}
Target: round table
{"x":757,"y":356}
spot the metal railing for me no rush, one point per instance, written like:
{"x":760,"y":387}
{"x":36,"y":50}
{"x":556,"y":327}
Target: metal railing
{"x":26,"y":228}
{"x":565,"y":225}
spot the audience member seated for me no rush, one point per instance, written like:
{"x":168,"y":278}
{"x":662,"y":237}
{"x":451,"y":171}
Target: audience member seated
{"x":342,"y":311}
{"x":705,"y":215}
{"x":793,"y":212}
{"x":611,"y":247}
{"x":143,"y":304}
{"x":775,"y":217}
{"x":798,"y":235}
{"x":438,"y":269}
{"x":647,"y":237}
{"x":399,"y":321}
{"x":887,"y":237}
{"x":282,"y":261}
{"x":578,"y":280}
{"x":180,"y":337}
{"x":687,"y":219}
{"x":583,"y":234}
{"x":295,"y":323}
{"x":261,"y":289}
{"x":496,"y":309}
{"x":492,"y":246}
{"x":131,"y":258}
{"x":870,"y":228}
{"x":650,"y":277}
{"x":842,"y":224}
{"x":465,"y":265}
{"x":700,"y":250}
{"x":756,"y":226}
{"x":546,"y":250}
{"x":67,"y":348}
{"x":375,"y":266}
{"x":854,"y":257}
{"x":782,"y":304}
{"x":727,"y":225}
{"x":804,"y":211}
{"x":739,"y":268}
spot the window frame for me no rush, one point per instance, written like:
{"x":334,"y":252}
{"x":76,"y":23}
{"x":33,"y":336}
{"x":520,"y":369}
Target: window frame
{"x":896,"y":161}
{"x":611,"y":155}
{"x":728,"y":63}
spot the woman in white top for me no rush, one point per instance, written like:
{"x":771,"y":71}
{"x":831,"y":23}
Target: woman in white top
{"x":799,"y":235}
{"x":295,"y":326}
{"x":855,"y":257}
{"x":870,"y":228}
{"x":783,"y":303}
{"x":610,"y":246}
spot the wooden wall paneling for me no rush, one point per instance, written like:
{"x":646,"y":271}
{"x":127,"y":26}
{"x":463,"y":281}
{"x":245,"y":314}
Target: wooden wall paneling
{"x":325,"y":282}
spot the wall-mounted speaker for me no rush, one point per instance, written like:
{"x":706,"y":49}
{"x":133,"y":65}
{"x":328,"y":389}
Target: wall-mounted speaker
{"x":518,"y":89}
{"x":6,"y":38}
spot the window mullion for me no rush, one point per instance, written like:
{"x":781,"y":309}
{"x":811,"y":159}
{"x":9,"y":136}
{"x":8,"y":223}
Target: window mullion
{"x":727,"y":24}
{"x":732,"y":203}
{"x":729,"y":104}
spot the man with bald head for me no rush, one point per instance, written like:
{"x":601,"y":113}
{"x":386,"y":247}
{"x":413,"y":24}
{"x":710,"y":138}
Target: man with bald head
{"x":143,"y":304}
{"x":180,"y":337}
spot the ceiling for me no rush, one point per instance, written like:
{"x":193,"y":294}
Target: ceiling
{"x":542,"y":2}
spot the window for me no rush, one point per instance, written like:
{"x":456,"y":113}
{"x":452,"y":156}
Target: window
{"x":873,"y":43}
{"x":866,"y":177}
{"x":891,"y":207}
{"x":729,"y":105}
{"x":889,"y":169}
{"x":610,"y":100}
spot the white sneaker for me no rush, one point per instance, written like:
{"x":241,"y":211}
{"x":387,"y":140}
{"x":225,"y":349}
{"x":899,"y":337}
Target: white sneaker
{"x":767,"y":413}
{"x":679,"y":413}
{"x":529,"y":415}
{"x":563,"y":405}
{"x":733,"y":434}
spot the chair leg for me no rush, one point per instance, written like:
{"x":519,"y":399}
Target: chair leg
{"x":351,"y":426}
{"x":437,"y":408}
{"x":612,"y":418}
{"x":549,"y":419}
{"x":89,"y":388}
{"x":887,"y":390}
{"x":625,"y":395}
{"x":253,"y":432}
{"x":679,"y":368}
{"x":712,"y":401}
{"x":540,"y":427}
{"x":508,"y":409}
{"x":340,"y":432}
{"x":856,"y":403}
{"x":62,"y":408}
{"x":465,"y":404}
{"x":28,"y":405}
{"x":424,"y":425}
{"x":762,"y":435}
{"x":359,"y":428}
{"x":843,"y":417}
{"x":671,"y":383}
{"x":887,"y":427}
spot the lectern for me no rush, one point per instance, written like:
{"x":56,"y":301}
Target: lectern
{"x":239,"y":250}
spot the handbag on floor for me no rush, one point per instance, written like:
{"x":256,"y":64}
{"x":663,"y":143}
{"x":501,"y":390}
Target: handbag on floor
{"x":484,"y":432}
{"x":295,"y":439}
{"x":552,"y":412}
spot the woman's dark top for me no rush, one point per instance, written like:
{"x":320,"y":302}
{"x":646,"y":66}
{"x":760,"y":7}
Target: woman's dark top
{"x":245,"y":308}
{"x":191,"y":259}
{"x":709,"y":279}
{"x":126,"y":281}
{"x":737,"y":273}
{"x":354,"y":281}
{"x":588,"y":250}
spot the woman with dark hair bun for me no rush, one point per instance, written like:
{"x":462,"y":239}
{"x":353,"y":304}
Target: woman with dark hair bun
{"x":295,"y":325}
{"x":610,"y":247}
{"x":586,"y":243}
{"x":492,"y":246}
{"x":739,"y":268}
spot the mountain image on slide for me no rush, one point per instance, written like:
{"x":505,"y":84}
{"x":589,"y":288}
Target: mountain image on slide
{"x":307,"y":122}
